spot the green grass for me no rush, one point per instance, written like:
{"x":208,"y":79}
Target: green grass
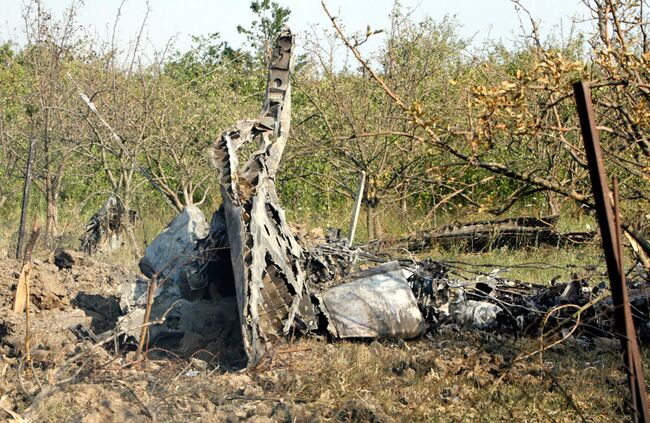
{"x":533,"y":265}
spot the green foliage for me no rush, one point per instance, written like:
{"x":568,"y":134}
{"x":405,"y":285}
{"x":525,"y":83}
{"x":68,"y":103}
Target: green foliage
{"x":208,"y":54}
{"x":478,"y":125}
{"x":270,"y":18}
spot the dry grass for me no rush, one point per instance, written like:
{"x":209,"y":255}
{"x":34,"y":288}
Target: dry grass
{"x":457,"y":377}
{"x":452,"y":377}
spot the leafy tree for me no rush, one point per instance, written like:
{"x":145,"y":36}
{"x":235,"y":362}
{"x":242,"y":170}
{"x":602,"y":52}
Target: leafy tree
{"x":520,"y":126}
{"x":354,"y":126}
{"x":270,"y":18}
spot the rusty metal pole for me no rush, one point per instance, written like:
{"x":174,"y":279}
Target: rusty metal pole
{"x":610,"y":235}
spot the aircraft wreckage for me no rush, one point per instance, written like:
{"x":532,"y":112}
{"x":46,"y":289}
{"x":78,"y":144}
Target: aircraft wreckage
{"x":267,"y":265}
{"x":267,"y":261}
{"x":244,"y":281}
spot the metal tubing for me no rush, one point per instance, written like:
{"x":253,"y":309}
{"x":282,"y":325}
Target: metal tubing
{"x":357,"y":206}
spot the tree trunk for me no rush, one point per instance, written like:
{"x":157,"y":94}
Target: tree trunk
{"x":373,"y":222}
{"x":403,"y":201}
{"x":554,"y":202}
{"x":51,"y":225}
{"x":370,"y":221}
{"x":376,"y":224}
{"x":371,"y":205}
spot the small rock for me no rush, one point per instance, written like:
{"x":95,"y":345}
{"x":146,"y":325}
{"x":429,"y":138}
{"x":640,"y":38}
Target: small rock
{"x":198,"y":363}
{"x":66,"y":259}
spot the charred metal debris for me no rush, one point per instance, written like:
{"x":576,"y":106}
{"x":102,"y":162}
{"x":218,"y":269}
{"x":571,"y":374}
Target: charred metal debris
{"x":105,"y":229}
{"x":248,"y":267}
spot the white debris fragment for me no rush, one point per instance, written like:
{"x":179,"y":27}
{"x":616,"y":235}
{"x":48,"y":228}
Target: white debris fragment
{"x":477,"y":314}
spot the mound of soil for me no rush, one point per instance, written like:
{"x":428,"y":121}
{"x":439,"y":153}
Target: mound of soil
{"x":60,"y":299}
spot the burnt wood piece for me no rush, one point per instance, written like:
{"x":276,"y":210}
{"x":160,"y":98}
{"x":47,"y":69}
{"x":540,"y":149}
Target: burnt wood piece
{"x":485,"y":235}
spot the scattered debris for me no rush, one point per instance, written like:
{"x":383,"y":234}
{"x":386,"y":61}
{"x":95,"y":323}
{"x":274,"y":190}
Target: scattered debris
{"x":170,"y":259}
{"x":189,"y":326}
{"x":332,"y":258}
{"x":477,"y":314}
{"x":174,"y":250}
{"x":64,"y":258}
{"x":491,"y":302}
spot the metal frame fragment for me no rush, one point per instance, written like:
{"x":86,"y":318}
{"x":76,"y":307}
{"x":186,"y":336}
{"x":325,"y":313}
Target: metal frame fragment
{"x":267,"y":260}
